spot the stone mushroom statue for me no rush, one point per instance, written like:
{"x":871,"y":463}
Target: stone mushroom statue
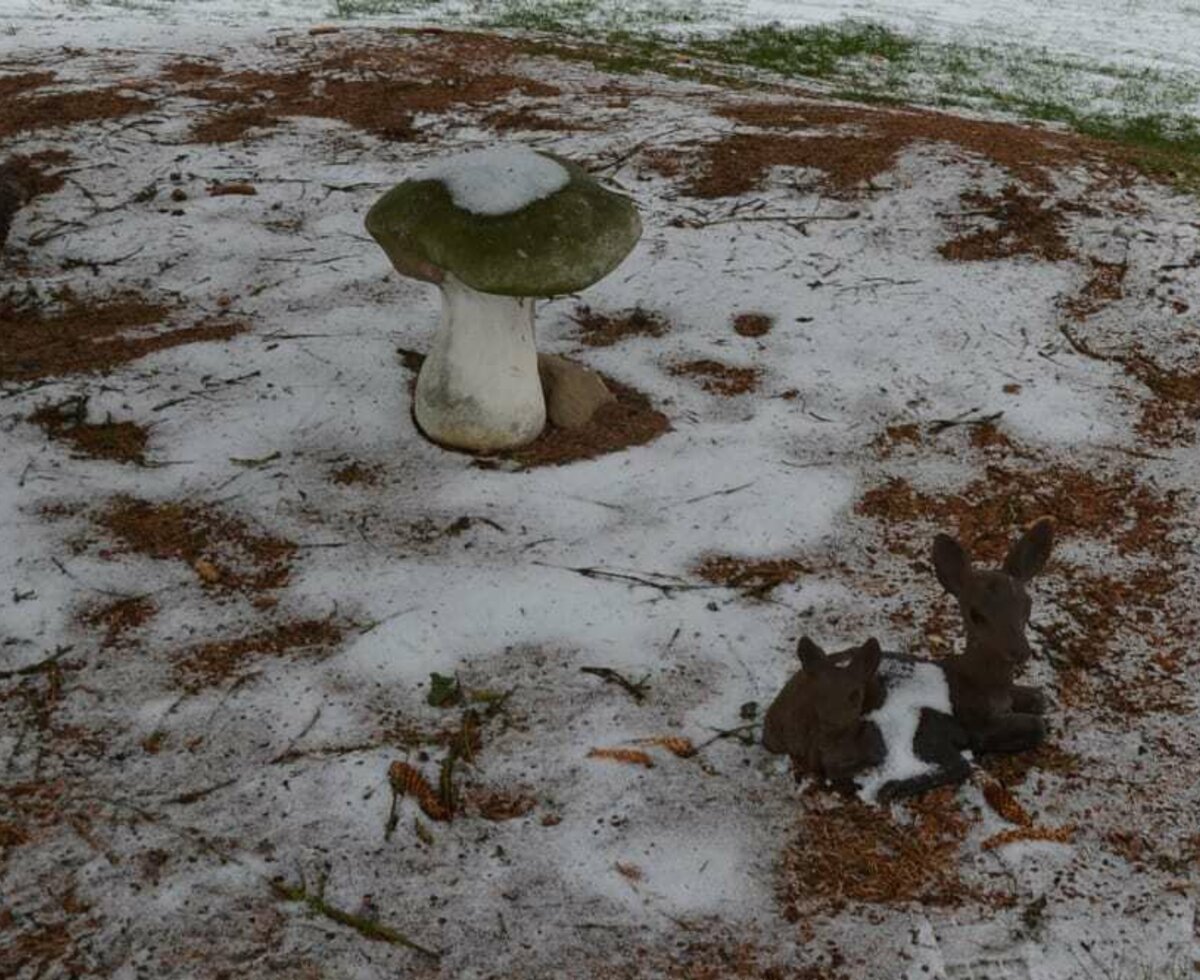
{"x":495,"y":230}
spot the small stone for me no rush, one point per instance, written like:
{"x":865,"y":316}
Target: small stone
{"x":207,"y":571}
{"x":573,"y":393}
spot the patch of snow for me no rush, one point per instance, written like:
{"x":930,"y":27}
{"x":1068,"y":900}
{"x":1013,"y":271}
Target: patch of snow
{"x":910,"y":688}
{"x":499,"y":181}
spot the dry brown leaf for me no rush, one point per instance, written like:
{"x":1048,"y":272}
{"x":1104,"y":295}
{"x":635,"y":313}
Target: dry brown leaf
{"x":632,"y":756}
{"x":677,"y":745}
{"x":207,"y":571}
{"x":1005,"y":804}
{"x":408,"y":781}
{"x":499,"y":805}
{"x":629,"y":870}
{"x":1058,"y":835}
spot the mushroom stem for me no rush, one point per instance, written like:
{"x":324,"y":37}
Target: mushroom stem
{"x":479,"y":387}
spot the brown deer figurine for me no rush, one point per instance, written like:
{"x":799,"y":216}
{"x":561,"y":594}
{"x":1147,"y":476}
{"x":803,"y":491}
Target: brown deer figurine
{"x":817,"y":718}
{"x":998,"y":715}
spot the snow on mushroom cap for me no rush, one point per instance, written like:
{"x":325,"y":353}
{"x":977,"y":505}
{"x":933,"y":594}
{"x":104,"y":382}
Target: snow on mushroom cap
{"x":500,"y":181}
{"x":910,"y":687}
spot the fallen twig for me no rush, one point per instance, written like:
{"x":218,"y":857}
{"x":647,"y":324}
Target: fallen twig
{"x":665,"y":587}
{"x":637,"y":689}
{"x":42,"y":666}
{"x":727,"y":733}
{"x":941,"y":425}
{"x":198,"y":794}
{"x":367,"y":928}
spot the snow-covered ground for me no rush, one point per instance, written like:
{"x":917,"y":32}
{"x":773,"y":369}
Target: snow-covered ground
{"x":156,"y":787}
{"x":1098,"y":62}
{"x":1155,"y":33}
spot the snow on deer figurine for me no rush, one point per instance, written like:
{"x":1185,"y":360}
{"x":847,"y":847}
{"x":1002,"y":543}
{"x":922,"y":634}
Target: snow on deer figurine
{"x":998,"y":714}
{"x":817,"y":718}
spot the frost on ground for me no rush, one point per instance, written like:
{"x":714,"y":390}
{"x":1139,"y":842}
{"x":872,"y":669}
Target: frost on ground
{"x":231,"y":565}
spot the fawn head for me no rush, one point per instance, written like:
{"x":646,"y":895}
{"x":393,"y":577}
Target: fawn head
{"x":840,"y":682}
{"x":995,"y":604}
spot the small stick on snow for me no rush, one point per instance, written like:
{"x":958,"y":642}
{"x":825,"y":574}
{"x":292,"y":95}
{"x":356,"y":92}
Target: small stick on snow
{"x":637,"y":689}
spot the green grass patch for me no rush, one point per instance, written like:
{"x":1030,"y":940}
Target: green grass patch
{"x":824,"y":51}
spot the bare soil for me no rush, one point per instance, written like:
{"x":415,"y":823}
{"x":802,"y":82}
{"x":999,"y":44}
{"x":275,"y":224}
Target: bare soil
{"x":78,"y":334}
{"x":204,"y":538}
{"x":122,"y":442}
{"x":631,"y":420}
{"x":720,"y":379}
{"x":1025,"y":224}
{"x":853,"y":852}
{"x":597,"y":329}
{"x":851,"y":146}
{"x":752,"y":324}
{"x":219,"y":661}
{"x":26,"y":113}
{"x":375,"y":88}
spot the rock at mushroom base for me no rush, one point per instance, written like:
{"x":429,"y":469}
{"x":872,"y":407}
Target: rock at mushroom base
{"x":573,"y":393}
{"x":494,"y":230}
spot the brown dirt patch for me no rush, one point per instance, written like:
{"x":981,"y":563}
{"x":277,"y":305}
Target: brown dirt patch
{"x":27,"y":113}
{"x":119,"y":618}
{"x":598,"y":329}
{"x":38,"y":948}
{"x":1115,"y":507}
{"x":526,"y":119}
{"x":756,"y":577}
{"x":1171,"y":416}
{"x":1106,"y":285}
{"x":203,"y":537}
{"x":1167,"y":418}
{"x":184,"y":71}
{"x":868,"y":147}
{"x":386,"y":86}
{"x":720,"y":379}
{"x":631,"y":420}
{"x":124,"y":442}
{"x":358,"y":474}
{"x":853,"y":852}
{"x":895,"y":436}
{"x":1025,"y":225}
{"x":498,"y":805}
{"x":988,"y":437}
{"x":739,"y":163}
{"x":1012,"y":770}
{"x":81,"y":335}
{"x":232,"y":125}
{"x":11,"y":85}
{"x":31,"y":171}
{"x":753,"y":324}
{"x":214,"y":663}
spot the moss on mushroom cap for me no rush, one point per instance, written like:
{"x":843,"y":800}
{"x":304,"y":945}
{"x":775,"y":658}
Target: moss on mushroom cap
{"x":557,"y":244}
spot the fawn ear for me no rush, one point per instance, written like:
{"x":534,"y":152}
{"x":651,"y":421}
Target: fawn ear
{"x":1032,"y":550}
{"x":869,"y":656}
{"x":951,"y":563}
{"x":812,"y":657}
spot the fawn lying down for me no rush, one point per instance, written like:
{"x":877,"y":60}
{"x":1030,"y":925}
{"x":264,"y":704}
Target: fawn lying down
{"x":828,"y":716}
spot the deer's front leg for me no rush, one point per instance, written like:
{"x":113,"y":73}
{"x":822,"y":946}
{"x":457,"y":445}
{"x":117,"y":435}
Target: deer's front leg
{"x":1029,"y":700}
{"x":1009,"y":733}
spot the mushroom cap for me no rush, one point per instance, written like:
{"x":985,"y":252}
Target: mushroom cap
{"x":561,"y":231}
